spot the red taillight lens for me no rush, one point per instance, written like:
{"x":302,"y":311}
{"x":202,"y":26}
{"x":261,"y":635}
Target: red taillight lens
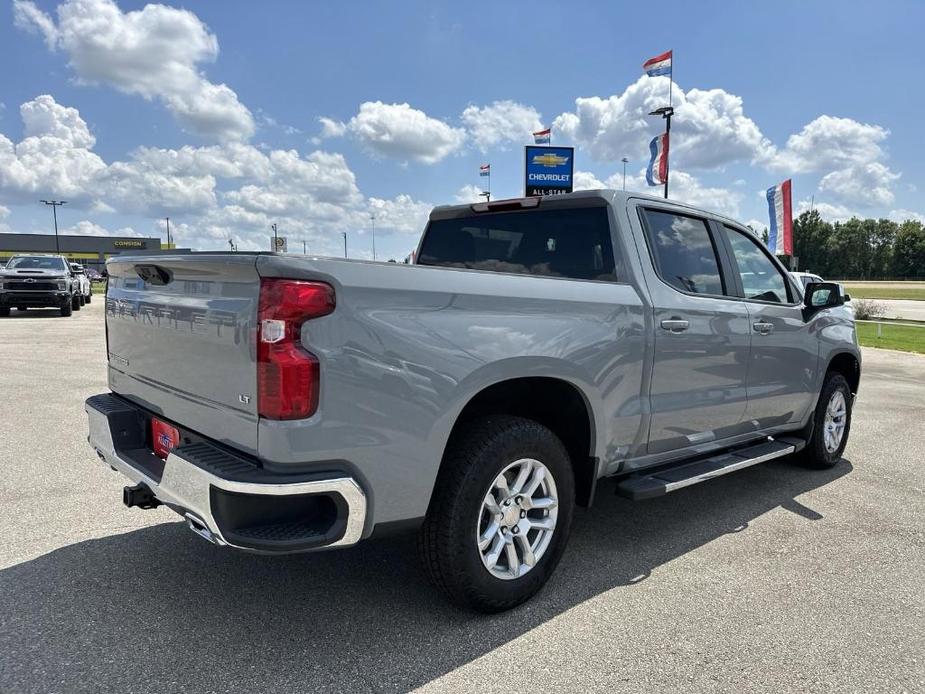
{"x":287,"y":375}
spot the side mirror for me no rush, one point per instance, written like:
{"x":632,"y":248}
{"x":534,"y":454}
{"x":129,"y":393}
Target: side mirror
{"x":819,"y":295}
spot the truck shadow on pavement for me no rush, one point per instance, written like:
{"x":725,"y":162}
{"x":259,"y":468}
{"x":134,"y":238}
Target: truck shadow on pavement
{"x":158,"y":609}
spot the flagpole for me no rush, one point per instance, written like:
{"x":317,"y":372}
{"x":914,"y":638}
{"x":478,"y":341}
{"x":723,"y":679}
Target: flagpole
{"x":668,"y":142}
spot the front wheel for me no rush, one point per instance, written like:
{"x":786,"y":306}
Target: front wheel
{"x":66,"y":309}
{"x":831,"y":423}
{"x":75,"y":302}
{"x":500,"y":514}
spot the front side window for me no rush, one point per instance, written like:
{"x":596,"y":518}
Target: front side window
{"x":761,"y":280}
{"x":572,"y":243}
{"x":683,"y":252}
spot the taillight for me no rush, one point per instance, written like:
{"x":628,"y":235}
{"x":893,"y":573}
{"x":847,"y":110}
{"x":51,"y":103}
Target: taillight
{"x":287,"y":375}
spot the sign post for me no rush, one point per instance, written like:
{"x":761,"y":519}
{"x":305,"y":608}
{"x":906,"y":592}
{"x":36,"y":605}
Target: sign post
{"x":548,"y":170}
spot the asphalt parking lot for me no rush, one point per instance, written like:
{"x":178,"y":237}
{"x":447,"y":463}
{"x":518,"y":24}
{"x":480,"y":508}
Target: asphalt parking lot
{"x":773,"y":579}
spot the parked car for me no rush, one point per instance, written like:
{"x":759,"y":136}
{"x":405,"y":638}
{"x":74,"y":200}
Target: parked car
{"x":804,"y":279}
{"x":39,"y":281}
{"x":85,"y":287}
{"x":93,"y":275}
{"x":287,"y":403}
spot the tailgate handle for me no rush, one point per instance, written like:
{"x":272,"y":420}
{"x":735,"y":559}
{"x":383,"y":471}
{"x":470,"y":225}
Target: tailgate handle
{"x":154,"y":274}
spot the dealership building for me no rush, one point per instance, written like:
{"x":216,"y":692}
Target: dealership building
{"x":89,"y":251}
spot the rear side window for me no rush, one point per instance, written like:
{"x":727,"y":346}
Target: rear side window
{"x":761,"y":280}
{"x":571,"y":243}
{"x":683,"y":252}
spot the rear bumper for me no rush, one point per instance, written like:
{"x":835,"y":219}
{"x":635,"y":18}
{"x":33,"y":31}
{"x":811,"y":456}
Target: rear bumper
{"x":34,"y":299}
{"x":225,"y":498}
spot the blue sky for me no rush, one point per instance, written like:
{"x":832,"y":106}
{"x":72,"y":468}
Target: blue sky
{"x":121,"y":110}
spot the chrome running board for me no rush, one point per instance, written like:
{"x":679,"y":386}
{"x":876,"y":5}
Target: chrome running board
{"x":670,"y":478}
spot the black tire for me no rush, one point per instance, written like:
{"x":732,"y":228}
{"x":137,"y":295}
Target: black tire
{"x":4,"y":311}
{"x":67,"y":309}
{"x":75,"y":302}
{"x":90,"y":296}
{"x":817,"y":454}
{"x":448,"y":544}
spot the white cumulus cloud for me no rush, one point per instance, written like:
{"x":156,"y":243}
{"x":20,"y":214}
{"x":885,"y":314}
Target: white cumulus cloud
{"x":500,"y":123}
{"x":709,"y":129}
{"x":155,"y":52}
{"x":403,"y":132}
{"x":866,"y":185}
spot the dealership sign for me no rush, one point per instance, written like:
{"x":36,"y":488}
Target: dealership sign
{"x":548,"y":170}
{"x":130,"y":243}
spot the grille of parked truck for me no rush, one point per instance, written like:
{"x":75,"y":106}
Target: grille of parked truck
{"x":284,"y":404}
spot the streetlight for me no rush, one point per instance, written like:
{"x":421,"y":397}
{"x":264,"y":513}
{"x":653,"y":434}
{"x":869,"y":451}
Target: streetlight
{"x":625,"y":162}
{"x":275,"y":239}
{"x":54,"y":210}
{"x":168,"y":231}
{"x":372,"y":218}
{"x":344,"y":234}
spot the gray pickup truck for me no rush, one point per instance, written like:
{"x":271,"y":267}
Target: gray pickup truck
{"x":290,"y":403}
{"x":39,"y":281}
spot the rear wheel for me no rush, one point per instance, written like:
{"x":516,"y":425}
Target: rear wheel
{"x":500,"y":514}
{"x":831,"y":423}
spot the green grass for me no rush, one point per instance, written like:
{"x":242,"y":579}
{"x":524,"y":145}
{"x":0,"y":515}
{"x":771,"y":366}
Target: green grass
{"x":873,"y":292}
{"x":902,"y":337}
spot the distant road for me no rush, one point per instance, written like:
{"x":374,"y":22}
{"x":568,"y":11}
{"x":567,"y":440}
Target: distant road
{"x":903,"y":308}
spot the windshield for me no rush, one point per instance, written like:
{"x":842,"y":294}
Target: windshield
{"x":36,"y":262}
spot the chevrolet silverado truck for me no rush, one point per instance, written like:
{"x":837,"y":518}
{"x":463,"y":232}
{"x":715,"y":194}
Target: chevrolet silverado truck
{"x":39,"y":281}
{"x":284,"y":404}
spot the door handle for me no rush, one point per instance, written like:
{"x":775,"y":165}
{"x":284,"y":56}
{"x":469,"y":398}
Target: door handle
{"x":675,"y":325}
{"x":763,"y":328}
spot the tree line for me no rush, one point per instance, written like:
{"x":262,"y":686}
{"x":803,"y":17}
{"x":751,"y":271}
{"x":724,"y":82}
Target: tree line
{"x":859,"y":249}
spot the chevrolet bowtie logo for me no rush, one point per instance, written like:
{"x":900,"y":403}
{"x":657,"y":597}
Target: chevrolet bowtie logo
{"x":549,"y":159}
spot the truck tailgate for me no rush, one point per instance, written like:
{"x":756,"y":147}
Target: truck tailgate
{"x":181,"y":340}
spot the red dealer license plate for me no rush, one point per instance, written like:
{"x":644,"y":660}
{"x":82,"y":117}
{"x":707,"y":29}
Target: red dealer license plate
{"x":164,"y":437}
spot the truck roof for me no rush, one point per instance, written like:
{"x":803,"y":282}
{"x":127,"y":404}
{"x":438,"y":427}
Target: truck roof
{"x":615,"y":197}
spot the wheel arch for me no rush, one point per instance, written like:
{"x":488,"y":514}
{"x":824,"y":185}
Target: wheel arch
{"x":555,"y":403}
{"x":848,"y":365}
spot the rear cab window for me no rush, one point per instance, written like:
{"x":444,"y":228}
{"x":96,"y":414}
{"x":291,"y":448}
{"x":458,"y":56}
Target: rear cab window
{"x":565,"y":242}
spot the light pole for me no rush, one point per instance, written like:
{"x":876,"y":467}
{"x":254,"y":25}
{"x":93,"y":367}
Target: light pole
{"x":344,"y":234}
{"x":304,"y":247}
{"x":372,"y":218}
{"x":54,"y":210}
{"x":625,"y":162}
{"x":168,"y":231}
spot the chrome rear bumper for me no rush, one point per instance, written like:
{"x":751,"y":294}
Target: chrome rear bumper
{"x":186,"y":486}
